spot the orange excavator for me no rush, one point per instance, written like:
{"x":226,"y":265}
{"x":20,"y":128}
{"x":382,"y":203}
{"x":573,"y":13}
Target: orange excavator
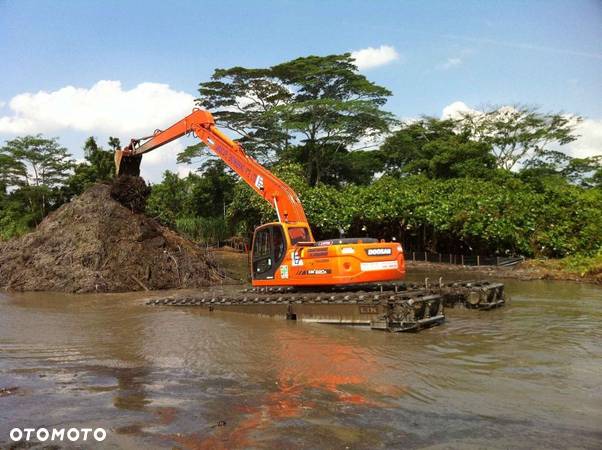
{"x":344,"y":280}
{"x":284,"y":253}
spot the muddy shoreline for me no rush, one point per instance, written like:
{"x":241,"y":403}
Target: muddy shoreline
{"x":526,"y":271}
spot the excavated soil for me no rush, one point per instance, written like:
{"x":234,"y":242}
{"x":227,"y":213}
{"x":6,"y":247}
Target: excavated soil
{"x":101,"y":242}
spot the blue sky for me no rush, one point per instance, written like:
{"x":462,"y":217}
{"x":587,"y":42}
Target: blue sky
{"x":543,"y":53}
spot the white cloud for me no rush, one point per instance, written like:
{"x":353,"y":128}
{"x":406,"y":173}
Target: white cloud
{"x":104,"y":108}
{"x":368,"y":58}
{"x":589,"y":142}
{"x":456,"y":109}
{"x":450,"y":63}
{"x":155,"y":163}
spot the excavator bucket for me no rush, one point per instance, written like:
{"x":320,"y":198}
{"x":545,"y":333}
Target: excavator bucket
{"x":127,"y":165}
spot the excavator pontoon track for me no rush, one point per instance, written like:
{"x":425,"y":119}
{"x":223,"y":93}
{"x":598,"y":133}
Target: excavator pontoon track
{"x":382,"y":306}
{"x":480,"y":294}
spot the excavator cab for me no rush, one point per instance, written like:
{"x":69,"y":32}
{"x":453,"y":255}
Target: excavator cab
{"x":269,"y":248}
{"x":270,"y":245}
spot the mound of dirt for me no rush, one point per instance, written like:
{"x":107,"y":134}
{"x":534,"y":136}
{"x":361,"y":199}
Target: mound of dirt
{"x":97,"y":244}
{"x":131,"y":192}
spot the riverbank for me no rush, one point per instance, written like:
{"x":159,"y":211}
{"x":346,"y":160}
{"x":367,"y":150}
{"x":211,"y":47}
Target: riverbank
{"x":236,"y":265}
{"x":528,"y":270}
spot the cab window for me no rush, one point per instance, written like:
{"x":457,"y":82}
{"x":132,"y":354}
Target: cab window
{"x":262,"y":243}
{"x":262,"y":251}
{"x":298,"y":234}
{"x":269,"y":247}
{"x":278,"y":243}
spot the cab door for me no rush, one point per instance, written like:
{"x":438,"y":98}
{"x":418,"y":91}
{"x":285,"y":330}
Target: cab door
{"x":269,"y":248}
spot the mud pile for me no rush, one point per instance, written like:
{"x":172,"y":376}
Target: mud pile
{"x":101,"y":242}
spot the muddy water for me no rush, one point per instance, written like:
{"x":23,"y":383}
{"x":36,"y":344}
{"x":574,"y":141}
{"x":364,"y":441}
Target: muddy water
{"x":525,"y":376}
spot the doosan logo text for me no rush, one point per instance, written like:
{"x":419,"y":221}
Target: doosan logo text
{"x":379,"y":251}
{"x":58,"y":434}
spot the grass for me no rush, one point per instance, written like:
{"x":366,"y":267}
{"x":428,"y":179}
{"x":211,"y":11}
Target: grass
{"x":583,"y":265}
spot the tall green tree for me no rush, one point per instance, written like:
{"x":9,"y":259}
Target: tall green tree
{"x":102,"y":161}
{"x":309,"y":109}
{"x":168,"y":199}
{"x":11,"y":170}
{"x":437,"y":149}
{"x":114,"y":143}
{"x":99,"y":165}
{"x":212,"y":190}
{"x":520,"y":134}
{"x":556,"y":166}
{"x":38,"y":167}
{"x":584,"y":171}
{"x":333,"y":108}
{"x":242,"y":100}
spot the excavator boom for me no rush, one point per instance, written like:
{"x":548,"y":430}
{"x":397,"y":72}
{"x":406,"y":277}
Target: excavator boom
{"x":281,"y":196}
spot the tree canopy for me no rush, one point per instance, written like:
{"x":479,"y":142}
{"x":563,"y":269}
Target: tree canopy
{"x":437,"y":149}
{"x":310,"y":110}
{"x":496,"y":181}
{"x":519,"y":134}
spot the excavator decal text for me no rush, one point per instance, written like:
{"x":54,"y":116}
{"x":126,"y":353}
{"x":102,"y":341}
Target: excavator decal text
{"x":296,"y":257}
{"x":314,"y":272}
{"x":223,"y":153}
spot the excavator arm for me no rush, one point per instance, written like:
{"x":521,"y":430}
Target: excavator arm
{"x":280,"y":195}
{"x":284,"y":253}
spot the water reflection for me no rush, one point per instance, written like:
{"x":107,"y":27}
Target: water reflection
{"x":522,"y":376}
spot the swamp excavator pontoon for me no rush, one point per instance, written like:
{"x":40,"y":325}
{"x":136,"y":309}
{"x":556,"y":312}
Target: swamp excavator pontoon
{"x":293,"y":274}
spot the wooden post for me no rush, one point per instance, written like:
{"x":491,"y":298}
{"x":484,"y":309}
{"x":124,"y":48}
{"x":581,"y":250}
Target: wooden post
{"x":478,"y":260}
{"x":462,"y":260}
{"x":414,"y":256}
{"x":450,"y":258}
{"x":425,"y":257}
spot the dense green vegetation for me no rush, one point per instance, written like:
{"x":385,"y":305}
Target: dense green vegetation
{"x":492,"y":182}
{"x":501,"y":215}
{"x":37,"y":175}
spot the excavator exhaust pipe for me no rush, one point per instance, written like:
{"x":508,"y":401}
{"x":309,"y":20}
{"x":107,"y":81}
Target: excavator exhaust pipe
{"x":127,"y":165}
